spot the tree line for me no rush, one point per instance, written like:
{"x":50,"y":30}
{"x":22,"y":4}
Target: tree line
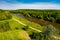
{"x":47,"y":15}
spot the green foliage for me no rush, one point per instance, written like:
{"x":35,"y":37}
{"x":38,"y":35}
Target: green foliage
{"x":14,"y":35}
{"x":4,"y":26}
{"x":5,"y":15}
{"x":47,"y":34}
{"x":25,"y":28}
{"x":48,"y":15}
{"x":49,"y":30}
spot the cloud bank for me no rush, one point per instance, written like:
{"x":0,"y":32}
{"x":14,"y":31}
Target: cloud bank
{"x":10,"y":6}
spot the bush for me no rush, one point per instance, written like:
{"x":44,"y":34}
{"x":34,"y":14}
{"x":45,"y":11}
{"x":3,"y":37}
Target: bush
{"x":4,"y":16}
{"x":25,"y":27}
{"x":4,"y":26}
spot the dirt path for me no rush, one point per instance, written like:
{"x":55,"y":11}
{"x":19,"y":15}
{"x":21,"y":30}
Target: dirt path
{"x":34,"y":28}
{"x":26,"y":25}
{"x":58,"y":38}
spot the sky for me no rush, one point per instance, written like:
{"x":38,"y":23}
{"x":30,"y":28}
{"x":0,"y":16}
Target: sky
{"x":29,"y":4}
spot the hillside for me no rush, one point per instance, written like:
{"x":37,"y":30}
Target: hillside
{"x":14,"y":26}
{"x":12,"y":30}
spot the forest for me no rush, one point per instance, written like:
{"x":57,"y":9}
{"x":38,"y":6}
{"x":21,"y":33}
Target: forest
{"x":48,"y":15}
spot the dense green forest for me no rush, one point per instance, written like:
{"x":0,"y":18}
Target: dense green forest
{"x":48,"y":15}
{"x":14,"y":26}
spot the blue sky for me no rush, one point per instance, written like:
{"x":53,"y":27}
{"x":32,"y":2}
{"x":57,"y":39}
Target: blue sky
{"x":29,"y":4}
{"x":30,"y":1}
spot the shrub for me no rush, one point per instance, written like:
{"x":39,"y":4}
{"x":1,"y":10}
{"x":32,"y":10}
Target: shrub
{"x":4,"y":26}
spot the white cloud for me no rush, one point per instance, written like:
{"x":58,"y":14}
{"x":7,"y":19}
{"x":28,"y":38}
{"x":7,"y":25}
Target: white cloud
{"x":5,"y":5}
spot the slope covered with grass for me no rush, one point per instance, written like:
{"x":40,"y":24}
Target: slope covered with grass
{"x":11,"y":30}
{"x":14,"y":35}
{"x":28,"y":23}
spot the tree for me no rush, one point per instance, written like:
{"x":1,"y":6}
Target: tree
{"x":49,"y":31}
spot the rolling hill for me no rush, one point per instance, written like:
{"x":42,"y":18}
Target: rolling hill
{"x":14,"y":27}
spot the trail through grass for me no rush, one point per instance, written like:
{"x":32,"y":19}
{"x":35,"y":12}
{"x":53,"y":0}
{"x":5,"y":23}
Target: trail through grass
{"x":26,"y":25}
